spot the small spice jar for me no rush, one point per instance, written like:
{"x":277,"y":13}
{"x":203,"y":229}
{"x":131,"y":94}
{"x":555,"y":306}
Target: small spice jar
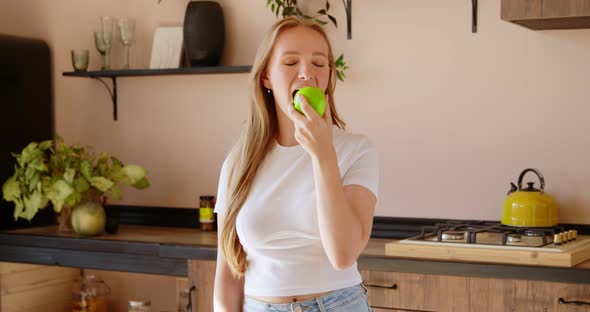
{"x":139,"y":305}
{"x":90,"y":294}
{"x":206,"y":218}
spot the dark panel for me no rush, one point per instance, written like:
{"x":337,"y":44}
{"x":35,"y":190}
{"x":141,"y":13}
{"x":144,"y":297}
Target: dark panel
{"x":564,"y":275}
{"x":26,"y":110}
{"x":80,"y":244}
{"x":188,"y":252}
{"x":399,"y":228}
{"x":160,"y":72}
{"x":158,"y":216}
{"x":95,"y":260}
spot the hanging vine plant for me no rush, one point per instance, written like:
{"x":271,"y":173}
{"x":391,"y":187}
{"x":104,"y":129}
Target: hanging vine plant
{"x":290,"y":7}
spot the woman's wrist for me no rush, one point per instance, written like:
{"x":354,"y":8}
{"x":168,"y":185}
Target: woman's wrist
{"x":327,"y":155}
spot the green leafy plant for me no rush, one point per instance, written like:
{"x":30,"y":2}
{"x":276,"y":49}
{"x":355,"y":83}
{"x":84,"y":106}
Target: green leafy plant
{"x":51,"y":171}
{"x":290,"y":7}
{"x":341,"y":67}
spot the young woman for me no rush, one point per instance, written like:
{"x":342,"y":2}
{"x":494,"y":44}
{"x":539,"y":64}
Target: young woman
{"x":297,"y":193}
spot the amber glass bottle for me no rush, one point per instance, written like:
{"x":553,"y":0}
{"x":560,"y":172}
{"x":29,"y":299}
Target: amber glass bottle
{"x":206,"y":218}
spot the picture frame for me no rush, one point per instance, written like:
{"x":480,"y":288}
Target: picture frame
{"x":167,"y":47}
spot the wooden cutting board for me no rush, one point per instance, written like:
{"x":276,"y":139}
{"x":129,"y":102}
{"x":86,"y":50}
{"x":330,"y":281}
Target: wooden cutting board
{"x":566,"y":256}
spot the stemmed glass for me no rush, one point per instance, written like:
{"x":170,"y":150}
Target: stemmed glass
{"x":126,"y":30}
{"x":104,"y":40}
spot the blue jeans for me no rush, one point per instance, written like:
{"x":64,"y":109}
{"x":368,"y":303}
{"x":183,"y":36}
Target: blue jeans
{"x":350,"y":299}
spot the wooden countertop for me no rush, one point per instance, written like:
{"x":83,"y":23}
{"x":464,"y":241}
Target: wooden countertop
{"x":165,"y":250}
{"x":136,"y":233}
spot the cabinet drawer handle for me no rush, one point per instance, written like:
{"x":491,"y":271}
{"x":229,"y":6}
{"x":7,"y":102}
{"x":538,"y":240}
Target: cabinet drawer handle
{"x":563,"y":301}
{"x":189,"y":306}
{"x":394,"y":286}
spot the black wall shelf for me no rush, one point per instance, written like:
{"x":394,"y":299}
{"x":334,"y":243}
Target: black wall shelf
{"x":114,"y":74}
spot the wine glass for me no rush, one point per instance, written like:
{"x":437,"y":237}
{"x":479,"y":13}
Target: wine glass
{"x":127,"y":31}
{"x":103,"y":40}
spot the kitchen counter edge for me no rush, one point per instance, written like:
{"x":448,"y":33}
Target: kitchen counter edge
{"x":165,"y":251}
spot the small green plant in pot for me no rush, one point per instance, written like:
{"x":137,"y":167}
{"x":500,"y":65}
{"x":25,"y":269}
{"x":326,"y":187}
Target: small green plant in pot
{"x":73,"y":179}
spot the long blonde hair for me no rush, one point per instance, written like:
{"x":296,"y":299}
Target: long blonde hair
{"x":258,"y":138}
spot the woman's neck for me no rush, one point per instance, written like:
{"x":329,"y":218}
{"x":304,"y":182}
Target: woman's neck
{"x":286,"y":130}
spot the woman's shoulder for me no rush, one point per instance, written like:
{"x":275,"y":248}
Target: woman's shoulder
{"x":346,"y":139}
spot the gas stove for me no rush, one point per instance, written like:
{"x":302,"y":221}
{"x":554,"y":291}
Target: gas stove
{"x":491,"y":233}
{"x":486,"y":234}
{"x":494,"y":243}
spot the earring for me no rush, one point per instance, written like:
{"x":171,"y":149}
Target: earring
{"x":268,"y":91}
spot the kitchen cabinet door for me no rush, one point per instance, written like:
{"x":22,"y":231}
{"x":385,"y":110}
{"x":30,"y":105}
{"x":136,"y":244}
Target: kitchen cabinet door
{"x":547,"y":14}
{"x":490,"y":295}
{"x":412,"y":291}
{"x":566,"y":8}
{"x":201,"y":274}
{"x":33,"y":288}
{"x":494,"y":294}
{"x":553,"y":291}
{"x":521,"y":9}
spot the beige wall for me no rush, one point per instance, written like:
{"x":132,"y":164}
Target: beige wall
{"x":456,"y":116}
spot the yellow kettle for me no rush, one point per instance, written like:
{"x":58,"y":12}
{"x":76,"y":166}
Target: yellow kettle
{"x":529,"y":207}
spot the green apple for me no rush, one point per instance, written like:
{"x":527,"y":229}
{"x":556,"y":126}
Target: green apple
{"x":88,"y":219}
{"x":315,"y":97}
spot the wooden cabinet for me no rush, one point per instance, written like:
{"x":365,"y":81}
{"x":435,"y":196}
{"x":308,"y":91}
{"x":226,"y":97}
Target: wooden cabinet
{"x":566,"y":8}
{"x":201,"y":274}
{"x":524,"y":9}
{"x":422,"y":292}
{"x":31,"y":288}
{"x":490,"y":294}
{"x":547,"y":14}
{"x":391,"y":291}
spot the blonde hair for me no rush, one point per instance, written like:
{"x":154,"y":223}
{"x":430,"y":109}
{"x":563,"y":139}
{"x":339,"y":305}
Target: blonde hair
{"x":258,"y":138}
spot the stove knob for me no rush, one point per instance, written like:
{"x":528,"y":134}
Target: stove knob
{"x":574,"y":234}
{"x":557,"y":239}
{"x":566,"y":236}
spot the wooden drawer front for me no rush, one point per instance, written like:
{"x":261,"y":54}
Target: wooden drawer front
{"x":545,"y":296}
{"x":521,"y":9}
{"x":33,"y":288}
{"x":489,"y":294}
{"x":201,"y":274}
{"x":566,"y":8}
{"x":416,"y":291}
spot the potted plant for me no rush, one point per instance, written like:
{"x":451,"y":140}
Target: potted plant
{"x":290,"y":7}
{"x":73,"y":179}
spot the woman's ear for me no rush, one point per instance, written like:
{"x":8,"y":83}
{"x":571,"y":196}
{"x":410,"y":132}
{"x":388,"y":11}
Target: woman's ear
{"x":265,"y":80}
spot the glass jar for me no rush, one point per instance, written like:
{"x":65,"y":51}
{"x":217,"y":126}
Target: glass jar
{"x":90,"y":294}
{"x":184,"y":299}
{"x":139,"y":305}
{"x":206,"y":218}
{"x":80,"y":303}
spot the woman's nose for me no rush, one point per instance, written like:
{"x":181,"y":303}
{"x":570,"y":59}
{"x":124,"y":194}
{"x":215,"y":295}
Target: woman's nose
{"x":304,"y":76}
{"x":305,"y":73}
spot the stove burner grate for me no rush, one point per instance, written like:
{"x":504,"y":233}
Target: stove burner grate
{"x":467,"y":232}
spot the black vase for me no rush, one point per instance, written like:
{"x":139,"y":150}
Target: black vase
{"x":204,"y":33}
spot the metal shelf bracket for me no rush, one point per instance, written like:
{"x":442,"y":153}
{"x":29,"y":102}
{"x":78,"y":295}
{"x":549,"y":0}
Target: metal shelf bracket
{"x":473,"y":16}
{"x":348,"y":9}
{"x":112,"y":92}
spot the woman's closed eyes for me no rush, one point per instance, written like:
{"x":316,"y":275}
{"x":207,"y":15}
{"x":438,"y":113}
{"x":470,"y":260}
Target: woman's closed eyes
{"x":292,"y":63}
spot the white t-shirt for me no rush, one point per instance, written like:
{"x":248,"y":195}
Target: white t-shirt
{"x":278,"y":223}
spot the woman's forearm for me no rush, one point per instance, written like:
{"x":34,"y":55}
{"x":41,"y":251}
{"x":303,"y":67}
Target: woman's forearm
{"x":341,"y":229}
